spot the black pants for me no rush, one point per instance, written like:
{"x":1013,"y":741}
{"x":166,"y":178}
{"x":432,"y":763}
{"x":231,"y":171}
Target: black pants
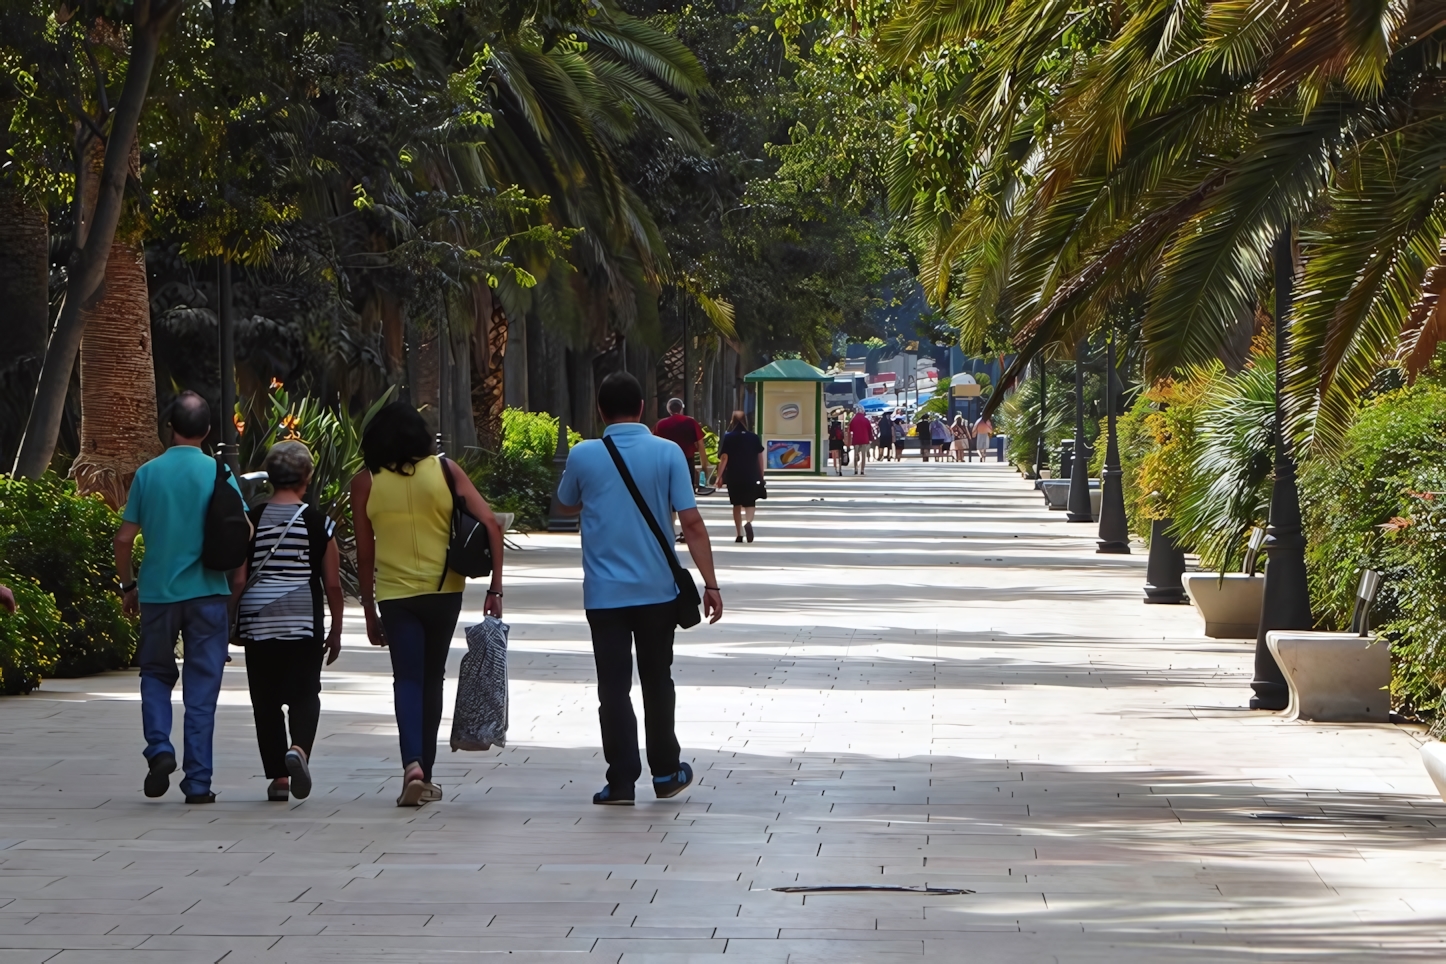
{"x":419,"y":634}
{"x":284,"y":672}
{"x":614,"y":632}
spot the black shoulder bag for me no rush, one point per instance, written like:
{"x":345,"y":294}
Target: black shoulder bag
{"x":688,"y":599}
{"x":227,"y":532}
{"x":469,"y":549}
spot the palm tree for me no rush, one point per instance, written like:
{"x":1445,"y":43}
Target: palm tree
{"x":1177,"y":141}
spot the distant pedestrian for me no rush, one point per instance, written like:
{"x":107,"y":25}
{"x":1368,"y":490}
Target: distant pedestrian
{"x":983,"y":432}
{"x":861,"y":436}
{"x":959,"y":432}
{"x":939,"y":433}
{"x":835,"y":445}
{"x":925,"y":436}
{"x":293,"y":562}
{"x":628,"y":587}
{"x":402,"y":505}
{"x":901,"y":436}
{"x":740,"y":467}
{"x":886,"y":437}
{"x":685,"y":430}
{"x":177,"y":595}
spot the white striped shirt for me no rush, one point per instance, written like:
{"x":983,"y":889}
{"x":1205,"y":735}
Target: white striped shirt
{"x":279,"y":604}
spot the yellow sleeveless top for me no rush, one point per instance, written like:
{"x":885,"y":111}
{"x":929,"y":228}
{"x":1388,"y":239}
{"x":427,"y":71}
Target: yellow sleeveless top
{"x":411,"y":516}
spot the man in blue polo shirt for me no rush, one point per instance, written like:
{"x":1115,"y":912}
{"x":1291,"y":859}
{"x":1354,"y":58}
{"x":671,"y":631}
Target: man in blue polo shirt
{"x":628,"y":588}
{"x":176,"y":594}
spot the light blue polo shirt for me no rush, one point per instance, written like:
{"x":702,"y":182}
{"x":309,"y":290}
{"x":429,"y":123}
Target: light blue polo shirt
{"x":622,"y":563}
{"x":168,"y":500}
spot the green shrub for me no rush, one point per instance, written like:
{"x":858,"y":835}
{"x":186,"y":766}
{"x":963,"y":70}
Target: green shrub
{"x":1018,"y":418}
{"x":64,"y":541}
{"x":28,"y":638}
{"x":519,"y":478}
{"x":1378,"y":504}
{"x":1226,"y":490}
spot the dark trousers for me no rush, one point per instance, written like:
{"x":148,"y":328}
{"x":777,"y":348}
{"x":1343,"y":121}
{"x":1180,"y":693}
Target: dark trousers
{"x":284,"y":672}
{"x":419,"y":634}
{"x":614,"y":632}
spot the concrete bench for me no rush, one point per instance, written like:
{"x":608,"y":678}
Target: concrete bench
{"x":1334,"y":677}
{"x":1230,"y":605}
{"x":1056,"y":494}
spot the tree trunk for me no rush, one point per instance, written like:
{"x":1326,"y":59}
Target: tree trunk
{"x":152,"y":18}
{"x":25,"y":293}
{"x":117,"y":381}
{"x":117,"y":374}
{"x":24,"y":272}
{"x":489,"y":366}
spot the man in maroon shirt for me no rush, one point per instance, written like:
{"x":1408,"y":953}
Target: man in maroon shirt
{"x":685,"y":431}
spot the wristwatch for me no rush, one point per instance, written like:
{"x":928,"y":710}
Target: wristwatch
{"x":126,"y":587}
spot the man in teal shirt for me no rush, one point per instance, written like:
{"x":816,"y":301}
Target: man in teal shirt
{"x":176,"y":595}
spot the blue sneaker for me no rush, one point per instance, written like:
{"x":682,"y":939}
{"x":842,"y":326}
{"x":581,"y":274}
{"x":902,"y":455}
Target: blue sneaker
{"x":671,"y":786}
{"x":611,"y":796}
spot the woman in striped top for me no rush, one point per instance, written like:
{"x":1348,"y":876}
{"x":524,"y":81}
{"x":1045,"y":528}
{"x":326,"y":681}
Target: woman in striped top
{"x":293,"y":561}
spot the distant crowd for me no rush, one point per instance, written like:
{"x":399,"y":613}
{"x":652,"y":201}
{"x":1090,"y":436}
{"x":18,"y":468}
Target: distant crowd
{"x":887,"y":435}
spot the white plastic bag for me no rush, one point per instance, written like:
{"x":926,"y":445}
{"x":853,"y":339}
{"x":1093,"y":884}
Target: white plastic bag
{"x":479,"y":721}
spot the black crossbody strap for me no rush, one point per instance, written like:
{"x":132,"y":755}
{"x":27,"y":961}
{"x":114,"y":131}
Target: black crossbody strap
{"x":663,"y":542}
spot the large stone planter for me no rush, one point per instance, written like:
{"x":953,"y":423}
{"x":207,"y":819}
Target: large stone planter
{"x":1056,"y":494}
{"x":1231,"y":609}
{"x":1334,"y":677}
{"x":1433,"y":755}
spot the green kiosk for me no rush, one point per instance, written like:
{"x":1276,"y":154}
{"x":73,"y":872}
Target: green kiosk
{"x":790,"y":416}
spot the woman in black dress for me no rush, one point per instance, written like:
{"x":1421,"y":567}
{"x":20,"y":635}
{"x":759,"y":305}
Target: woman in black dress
{"x":836,"y":444}
{"x":740,"y":467}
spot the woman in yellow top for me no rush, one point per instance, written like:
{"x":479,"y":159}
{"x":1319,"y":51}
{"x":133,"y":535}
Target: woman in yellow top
{"x":402,"y":511}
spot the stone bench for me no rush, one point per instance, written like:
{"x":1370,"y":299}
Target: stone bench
{"x":1334,"y":677}
{"x":1056,"y":494}
{"x":1229,"y":606}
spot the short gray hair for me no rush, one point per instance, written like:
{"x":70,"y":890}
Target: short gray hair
{"x":675,"y":405}
{"x":288,"y":464}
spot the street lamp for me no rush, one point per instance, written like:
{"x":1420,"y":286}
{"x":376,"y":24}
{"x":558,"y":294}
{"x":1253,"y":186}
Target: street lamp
{"x":1080,"y":509}
{"x":1286,"y":602}
{"x":1041,"y":447}
{"x":1114,"y":527}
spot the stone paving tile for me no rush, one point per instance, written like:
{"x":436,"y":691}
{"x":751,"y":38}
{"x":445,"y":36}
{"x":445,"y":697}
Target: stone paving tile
{"x":980,"y":702}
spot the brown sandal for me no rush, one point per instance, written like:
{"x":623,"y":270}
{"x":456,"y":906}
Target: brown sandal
{"x":414,"y":788}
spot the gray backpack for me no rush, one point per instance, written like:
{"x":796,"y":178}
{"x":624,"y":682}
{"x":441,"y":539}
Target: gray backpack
{"x":479,"y":721}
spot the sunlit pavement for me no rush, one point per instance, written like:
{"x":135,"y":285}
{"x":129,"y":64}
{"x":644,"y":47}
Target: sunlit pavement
{"x":923,"y":678}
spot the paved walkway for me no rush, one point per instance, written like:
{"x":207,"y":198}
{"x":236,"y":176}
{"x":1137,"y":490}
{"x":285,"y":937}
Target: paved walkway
{"x":924,"y":678}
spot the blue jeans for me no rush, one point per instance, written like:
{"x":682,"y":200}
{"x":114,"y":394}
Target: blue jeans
{"x":203,"y":625}
{"x":419,"y":634}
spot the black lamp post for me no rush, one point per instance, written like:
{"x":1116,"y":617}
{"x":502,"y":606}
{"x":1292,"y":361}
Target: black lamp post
{"x":1079,"y":475}
{"x":1041,"y":447}
{"x":1165,"y":566}
{"x":556,"y":520}
{"x":1286,"y":603}
{"x":226,"y":329}
{"x":1114,"y":527}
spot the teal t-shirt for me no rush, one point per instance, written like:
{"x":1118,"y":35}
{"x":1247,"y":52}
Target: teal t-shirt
{"x":168,"y":500}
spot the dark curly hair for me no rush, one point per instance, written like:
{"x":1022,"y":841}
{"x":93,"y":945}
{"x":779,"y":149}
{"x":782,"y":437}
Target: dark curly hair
{"x":396,"y":439}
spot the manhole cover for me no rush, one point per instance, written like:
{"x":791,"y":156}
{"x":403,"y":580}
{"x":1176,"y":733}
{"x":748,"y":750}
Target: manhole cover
{"x":870,"y":888}
{"x":1319,"y":817}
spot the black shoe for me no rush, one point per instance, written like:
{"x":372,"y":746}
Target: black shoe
{"x":610,"y":796}
{"x":300,"y":774}
{"x":207,"y":797}
{"x":738,"y":539}
{"x":748,"y":530}
{"x":671,"y":786}
{"x":158,"y":777}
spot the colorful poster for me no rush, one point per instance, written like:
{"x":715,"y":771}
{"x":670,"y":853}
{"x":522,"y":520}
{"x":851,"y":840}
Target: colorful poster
{"x":794,"y":454}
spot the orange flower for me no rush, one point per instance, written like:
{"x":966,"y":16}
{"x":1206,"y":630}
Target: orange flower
{"x":1397,"y":523}
{"x":240,"y":424}
{"x":289,"y":423}
{"x":275,"y":384}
